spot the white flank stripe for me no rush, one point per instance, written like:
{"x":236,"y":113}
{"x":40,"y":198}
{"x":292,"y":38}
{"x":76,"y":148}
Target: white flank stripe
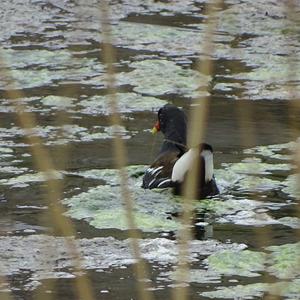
{"x":154,"y":171}
{"x":183,"y":164}
{"x":167,"y":180}
{"x":209,"y":164}
{"x":151,"y":182}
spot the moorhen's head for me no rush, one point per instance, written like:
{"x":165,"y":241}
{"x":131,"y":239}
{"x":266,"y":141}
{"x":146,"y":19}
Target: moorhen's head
{"x":172,"y":123}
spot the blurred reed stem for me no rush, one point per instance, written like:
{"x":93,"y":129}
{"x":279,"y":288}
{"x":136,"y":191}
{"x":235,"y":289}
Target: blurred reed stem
{"x":108,"y":56}
{"x":3,"y":282}
{"x":44,"y":164}
{"x":196,"y":131}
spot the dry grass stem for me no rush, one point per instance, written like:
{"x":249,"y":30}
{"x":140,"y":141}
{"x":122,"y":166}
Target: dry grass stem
{"x":121,"y":155}
{"x":3,"y":282}
{"x":196,"y":130}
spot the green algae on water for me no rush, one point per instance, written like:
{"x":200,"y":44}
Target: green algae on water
{"x":127,"y":103}
{"x":102,"y":206}
{"x":58,"y":102}
{"x":25,"y":179}
{"x":288,"y":290}
{"x":112,"y":218}
{"x":284,"y":260}
{"x":147,"y":78}
{"x":242,"y":263}
{"x":35,"y":68}
{"x":280,"y":261}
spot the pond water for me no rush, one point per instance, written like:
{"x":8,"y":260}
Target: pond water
{"x":245,"y":241}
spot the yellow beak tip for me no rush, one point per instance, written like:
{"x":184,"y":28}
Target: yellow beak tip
{"x":154,"y":130}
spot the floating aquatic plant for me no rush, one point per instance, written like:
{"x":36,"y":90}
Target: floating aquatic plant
{"x":35,"y":68}
{"x":127,"y":103}
{"x":242,"y":263}
{"x":147,"y":74}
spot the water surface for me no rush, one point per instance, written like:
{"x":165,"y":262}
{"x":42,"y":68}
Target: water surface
{"x":53,"y":52}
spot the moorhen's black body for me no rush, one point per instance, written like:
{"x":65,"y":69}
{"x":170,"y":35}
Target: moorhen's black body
{"x":174,"y":159}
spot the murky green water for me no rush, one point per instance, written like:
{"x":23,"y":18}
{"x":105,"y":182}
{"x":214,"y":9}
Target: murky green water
{"x":246,"y":241}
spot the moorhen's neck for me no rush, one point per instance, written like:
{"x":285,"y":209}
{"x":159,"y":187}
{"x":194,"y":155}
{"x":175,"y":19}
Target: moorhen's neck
{"x":174,"y":138}
{"x":172,"y":121}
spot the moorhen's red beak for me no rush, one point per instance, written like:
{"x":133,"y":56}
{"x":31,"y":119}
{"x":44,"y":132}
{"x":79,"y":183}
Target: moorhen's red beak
{"x":156,"y":128}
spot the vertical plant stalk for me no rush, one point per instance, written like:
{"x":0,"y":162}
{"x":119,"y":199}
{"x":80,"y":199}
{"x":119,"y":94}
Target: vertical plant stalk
{"x":5,"y":296}
{"x":121,"y":155}
{"x":196,"y":130}
{"x":44,"y":163}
